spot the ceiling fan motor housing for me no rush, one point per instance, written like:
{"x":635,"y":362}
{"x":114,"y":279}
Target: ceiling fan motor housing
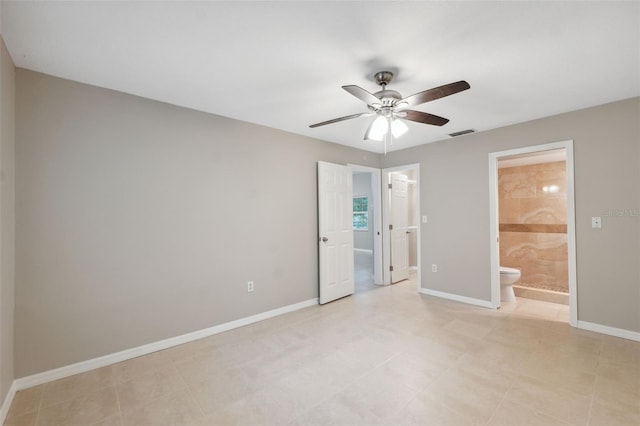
{"x":388,"y":97}
{"x":383,"y":78}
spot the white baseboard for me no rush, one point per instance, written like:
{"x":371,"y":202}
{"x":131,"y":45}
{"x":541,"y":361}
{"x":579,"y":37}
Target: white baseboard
{"x":6,"y":404}
{"x":598,"y":328}
{"x":457,"y":298}
{"x":612,"y":331}
{"x":103,"y":361}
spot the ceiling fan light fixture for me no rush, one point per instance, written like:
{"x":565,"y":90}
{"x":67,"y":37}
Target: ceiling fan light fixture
{"x":377,"y":129}
{"x":398,"y":128}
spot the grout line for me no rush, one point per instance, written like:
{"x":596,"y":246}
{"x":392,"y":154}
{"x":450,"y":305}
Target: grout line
{"x":115,"y":386}
{"x":39,"y":407}
{"x":595,"y":384}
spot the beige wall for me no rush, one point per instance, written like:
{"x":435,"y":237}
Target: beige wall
{"x":455,"y":196}
{"x":533,"y":224}
{"x":133,"y":223}
{"x":139,"y":221}
{"x":7,"y":206}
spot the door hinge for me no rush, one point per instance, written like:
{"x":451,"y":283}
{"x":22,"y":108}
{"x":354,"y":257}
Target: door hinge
{"x":391,"y":268}
{"x":390,"y":186}
{"x":390,"y":227}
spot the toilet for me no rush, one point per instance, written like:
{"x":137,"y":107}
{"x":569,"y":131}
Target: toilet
{"x":508,"y":277}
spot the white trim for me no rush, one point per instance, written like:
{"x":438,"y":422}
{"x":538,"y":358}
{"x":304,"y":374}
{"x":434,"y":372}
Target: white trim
{"x":457,"y":298}
{"x":612,"y":331}
{"x":363,"y":250}
{"x":571,"y":221}
{"x":103,"y":361}
{"x":494,"y":251}
{"x":8,"y":400}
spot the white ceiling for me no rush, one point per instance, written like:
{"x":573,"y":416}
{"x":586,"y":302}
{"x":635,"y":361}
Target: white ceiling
{"x":282,"y":64}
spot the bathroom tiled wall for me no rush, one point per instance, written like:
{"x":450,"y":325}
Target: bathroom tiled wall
{"x":533,"y":224}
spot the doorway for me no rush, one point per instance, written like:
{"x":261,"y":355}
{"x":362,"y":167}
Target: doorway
{"x":401,"y":210}
{"x":367,"y":224}
{"x":533,"y":222}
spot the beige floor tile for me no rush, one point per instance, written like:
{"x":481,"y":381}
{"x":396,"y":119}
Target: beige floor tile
{"x":76,"y":386}
{"x":197,"y":368}
{"x":606,"y":414}
{"x":618,"y":392}
{"x":266,"y":370}
{"x":216,"y":392}
{"x":508,"y":358}
{"x":387,"y":356}
{"x":621,"y":351}
{"x":176,"y":409}
{"x":336,"y":411}
{"x":413,"y":371}
{"x":242,"y":412}
{"x":511,"y":413}
{"x":368,"y":352}
{"x":339,"y":369}
{"x":538,"y":309}
{"x":570,"y":342}
{"x":145,"y":388}
{"x":114,"y":420}
{"x":562,"y":372}
{"x":381,"y":394}
{"x":550,"y":400}
{"x":275,"y":405}
{"x":85,"y":410}
{"x":467,"y":329}
{"x":473,"y":393}
{"x":25,"y":401}
{"x":24,"y":419}
{"x":423,"y":411}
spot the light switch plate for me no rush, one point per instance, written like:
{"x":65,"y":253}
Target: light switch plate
{"x":596,"y":222}
{"x":424,"y":218}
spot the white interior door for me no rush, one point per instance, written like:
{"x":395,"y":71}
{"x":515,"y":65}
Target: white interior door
{"x":399,"y":210}
{"x":335,"y":231}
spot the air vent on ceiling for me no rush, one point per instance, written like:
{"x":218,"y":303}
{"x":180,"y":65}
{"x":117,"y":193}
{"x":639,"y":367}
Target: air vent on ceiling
{"x":461,"y":132}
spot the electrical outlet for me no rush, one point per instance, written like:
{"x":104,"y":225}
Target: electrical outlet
{"x":434,"y":268}
{"x":249,"y":286}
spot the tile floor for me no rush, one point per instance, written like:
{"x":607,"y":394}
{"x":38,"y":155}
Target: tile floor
{"x":383,"y":357}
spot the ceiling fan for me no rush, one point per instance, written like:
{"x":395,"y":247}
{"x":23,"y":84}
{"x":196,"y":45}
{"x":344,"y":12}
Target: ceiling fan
{"x":390,"y":107}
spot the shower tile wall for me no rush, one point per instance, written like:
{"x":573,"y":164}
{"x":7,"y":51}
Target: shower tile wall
{"x":533,"y":224}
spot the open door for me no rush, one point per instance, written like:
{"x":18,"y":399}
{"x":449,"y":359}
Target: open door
{"x":399,"y":224}
{"x":335,"y":231}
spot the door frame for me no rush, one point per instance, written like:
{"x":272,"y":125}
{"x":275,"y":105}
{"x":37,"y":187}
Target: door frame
{"x":376,"y":185}
{"x":386,"y":234}
{"x":571,"y":221}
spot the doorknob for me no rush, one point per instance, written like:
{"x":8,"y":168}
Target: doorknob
{"x":325,"y":239}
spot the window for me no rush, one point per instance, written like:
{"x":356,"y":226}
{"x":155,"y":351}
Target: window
{"x":360,"y":213}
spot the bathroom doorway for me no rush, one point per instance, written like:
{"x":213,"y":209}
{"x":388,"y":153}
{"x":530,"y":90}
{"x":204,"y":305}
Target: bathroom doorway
{"x":533,"y":223}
